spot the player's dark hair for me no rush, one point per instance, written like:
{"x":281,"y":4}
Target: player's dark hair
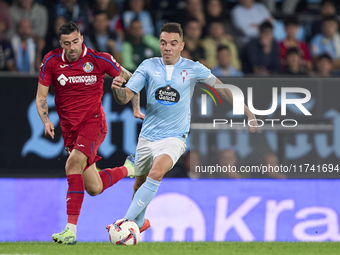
{"x":329,"y":18}
{"x":291,"y":21}
{"x":172,"y":27}
{"x":266,"y":25}
{"x":292,"y":51}
{"x":68,"y":28}
{"x":324,"y":56}
{"x":223,"y":47}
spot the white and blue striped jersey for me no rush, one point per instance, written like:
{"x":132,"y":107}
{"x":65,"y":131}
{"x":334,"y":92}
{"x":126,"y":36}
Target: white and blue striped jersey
{"x":168,"y":90}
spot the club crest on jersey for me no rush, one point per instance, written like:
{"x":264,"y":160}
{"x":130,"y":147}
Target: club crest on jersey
{"x":167,"y":95}
{"x":184,"y":74}
{"x":88,"y":67}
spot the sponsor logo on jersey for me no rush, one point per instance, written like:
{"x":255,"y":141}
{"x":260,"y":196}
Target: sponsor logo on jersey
{"x":184,"y":74}
{"x":62,"y":79}
{"x":158,"y":74}
{"x":63,"y":66}
{"x":87,"y":79}
{"x":167,"y":95}
{"x":88,"y":67}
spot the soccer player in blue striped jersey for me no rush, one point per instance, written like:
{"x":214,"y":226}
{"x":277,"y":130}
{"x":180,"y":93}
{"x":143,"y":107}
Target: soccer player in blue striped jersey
{"x":169,"y":82}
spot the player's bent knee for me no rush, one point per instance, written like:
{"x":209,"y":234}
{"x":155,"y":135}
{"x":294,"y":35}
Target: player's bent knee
{"x":93,"y":191}
{"x":74,"y":166}
{"x":156,"y":174}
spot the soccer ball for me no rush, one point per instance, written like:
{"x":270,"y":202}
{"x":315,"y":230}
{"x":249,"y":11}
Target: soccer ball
{"x":124,"y":232}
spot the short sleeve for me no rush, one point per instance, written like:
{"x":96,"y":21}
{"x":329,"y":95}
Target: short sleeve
{"x":201,"y":71}
{"x":138,"y":79}
{"x":46,"y":70}
{"x":109,"y":64}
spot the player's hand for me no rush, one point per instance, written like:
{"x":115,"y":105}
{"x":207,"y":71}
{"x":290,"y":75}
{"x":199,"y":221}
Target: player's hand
{"x":117,"y":82}
{"x":252,"y":122}
{"x":49,"y":129}
{"x":138,"y":114}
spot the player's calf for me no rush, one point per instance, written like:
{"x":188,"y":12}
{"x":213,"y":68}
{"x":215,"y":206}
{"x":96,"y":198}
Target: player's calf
{"x":139,"y":180}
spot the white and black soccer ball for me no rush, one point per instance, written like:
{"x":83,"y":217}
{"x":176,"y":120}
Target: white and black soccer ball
{"x":124,"y":232}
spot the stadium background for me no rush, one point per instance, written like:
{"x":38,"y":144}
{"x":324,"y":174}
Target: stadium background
{"x":288,"y":207}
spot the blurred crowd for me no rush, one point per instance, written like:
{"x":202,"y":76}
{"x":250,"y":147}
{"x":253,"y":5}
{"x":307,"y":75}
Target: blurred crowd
{"x":234,"y":38}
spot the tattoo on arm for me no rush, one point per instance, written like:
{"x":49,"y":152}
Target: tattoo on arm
{"x":135,"y":102}
{"x":125,"y":74}
{"x":44,"y":113}
{"x":45,"y":116}
{"x":119,"y":95}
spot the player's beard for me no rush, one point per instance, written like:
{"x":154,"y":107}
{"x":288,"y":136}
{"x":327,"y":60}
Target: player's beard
{"x":73,"y":58}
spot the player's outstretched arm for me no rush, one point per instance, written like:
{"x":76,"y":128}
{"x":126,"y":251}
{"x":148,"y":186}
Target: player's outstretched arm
{"x":227,"y":95}
{"x":42,"y":108}
{"x":121,"y":95}
{"x":125,"y":74}
{"x":135,"y":99}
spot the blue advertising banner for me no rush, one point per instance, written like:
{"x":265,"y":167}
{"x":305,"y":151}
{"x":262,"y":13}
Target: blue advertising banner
{"x":183,"y":210}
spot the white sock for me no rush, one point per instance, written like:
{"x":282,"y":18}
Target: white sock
{"x":72,"y":227}
{"x":130,"y":172}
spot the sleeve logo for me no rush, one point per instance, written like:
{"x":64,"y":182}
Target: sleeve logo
{"x":114,"y":61}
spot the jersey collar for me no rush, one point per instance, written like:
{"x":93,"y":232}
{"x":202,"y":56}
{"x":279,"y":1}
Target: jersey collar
{"x":176,"y":64}
{"x":83,"y":53}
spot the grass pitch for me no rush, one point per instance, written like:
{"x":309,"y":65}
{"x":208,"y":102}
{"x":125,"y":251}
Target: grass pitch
{"x":177,"y":248}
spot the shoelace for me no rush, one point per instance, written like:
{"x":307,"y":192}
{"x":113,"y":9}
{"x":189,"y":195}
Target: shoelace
{"x":64,"y":231}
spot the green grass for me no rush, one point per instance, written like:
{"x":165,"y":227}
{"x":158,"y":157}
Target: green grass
{"x":207,"y":248}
